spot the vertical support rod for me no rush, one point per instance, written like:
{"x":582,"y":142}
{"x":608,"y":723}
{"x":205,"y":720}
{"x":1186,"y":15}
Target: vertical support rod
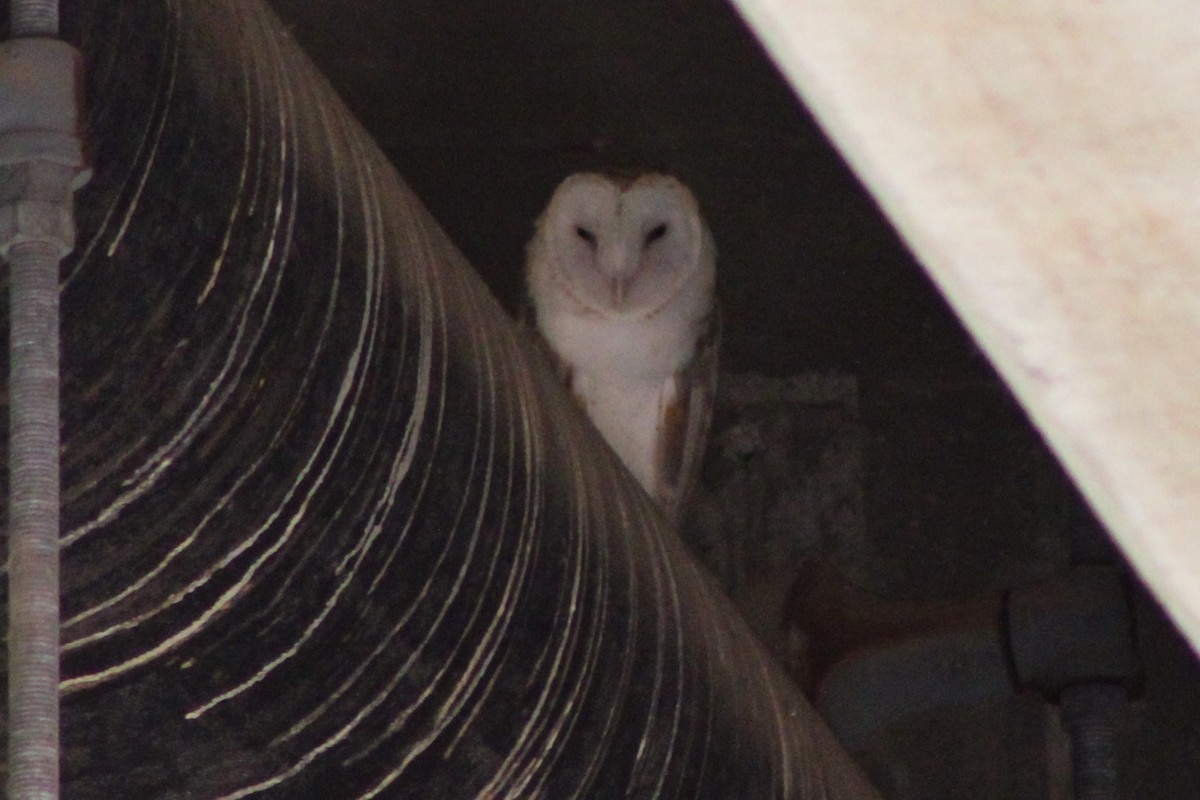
{"x":33,"y":695}
{"x":1090,"y":715}
{"x":33,"y":530}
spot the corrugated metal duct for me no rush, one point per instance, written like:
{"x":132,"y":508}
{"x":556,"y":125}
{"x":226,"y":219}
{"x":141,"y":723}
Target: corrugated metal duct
{"x":329,"y":530}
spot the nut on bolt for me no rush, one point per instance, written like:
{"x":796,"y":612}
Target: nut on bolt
{"x":42,"y":161}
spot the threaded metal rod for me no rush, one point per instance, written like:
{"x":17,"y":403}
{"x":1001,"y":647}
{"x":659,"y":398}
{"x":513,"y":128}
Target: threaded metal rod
{"x":34,"y":17}
{"x":1090,"y":715}
{"x":33,"y":574}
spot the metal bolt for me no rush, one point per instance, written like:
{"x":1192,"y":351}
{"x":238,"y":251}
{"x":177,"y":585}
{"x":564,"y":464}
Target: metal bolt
{"x":1090,"y":713}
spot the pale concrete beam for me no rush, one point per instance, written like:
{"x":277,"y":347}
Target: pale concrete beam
{"x":1043,"y":161}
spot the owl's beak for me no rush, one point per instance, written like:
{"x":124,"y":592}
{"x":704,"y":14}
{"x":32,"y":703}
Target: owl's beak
{"x":619,"y":285}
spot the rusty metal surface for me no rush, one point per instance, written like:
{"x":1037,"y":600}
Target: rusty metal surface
{"x":329,"y":531}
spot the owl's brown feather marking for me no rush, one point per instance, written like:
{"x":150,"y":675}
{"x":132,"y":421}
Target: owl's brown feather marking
{"x":686,"y":417}
{"x":671,"y":438}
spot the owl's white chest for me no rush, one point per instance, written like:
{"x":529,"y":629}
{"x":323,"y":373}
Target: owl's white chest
{"x":635,"y":349}
{"x":623,"y":369}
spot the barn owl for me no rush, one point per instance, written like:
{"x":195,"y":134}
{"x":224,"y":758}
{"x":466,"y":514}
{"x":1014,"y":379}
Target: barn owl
{"x":620,"y":276}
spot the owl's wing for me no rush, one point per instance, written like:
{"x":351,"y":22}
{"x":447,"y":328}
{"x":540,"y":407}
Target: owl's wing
{"x":684,"y":420}
{"x":527,"y":324}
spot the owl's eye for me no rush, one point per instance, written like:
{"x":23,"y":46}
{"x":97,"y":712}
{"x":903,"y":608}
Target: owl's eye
{"x":586,"y":235}
{"x":656,"y":233}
